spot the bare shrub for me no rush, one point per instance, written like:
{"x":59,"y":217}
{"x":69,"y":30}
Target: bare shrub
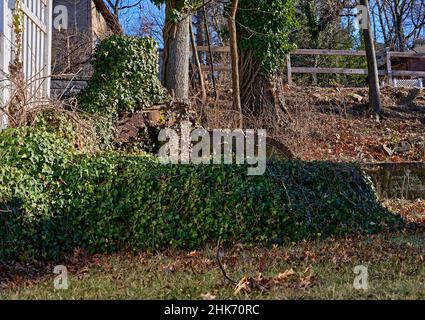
{"x":26,"y":104}
{"x":293,"y":120}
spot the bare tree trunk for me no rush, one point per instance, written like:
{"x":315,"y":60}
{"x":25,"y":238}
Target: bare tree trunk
{"x":208,"y":38}
{"x":200,"y":35}
{"x":197,"y":63}
{"x":176,"y":53}
{"x":235,"y":61}
{"x":374,"y":91}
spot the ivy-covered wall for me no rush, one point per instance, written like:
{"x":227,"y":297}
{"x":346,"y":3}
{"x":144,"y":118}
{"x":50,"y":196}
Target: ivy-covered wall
{"x":125,"y":77}
{"x":54,"y":199}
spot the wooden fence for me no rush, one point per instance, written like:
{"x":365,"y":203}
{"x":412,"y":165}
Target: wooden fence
{"x":385,"y":56}
{"x":36,"y":47}
{"x":217,"y":67}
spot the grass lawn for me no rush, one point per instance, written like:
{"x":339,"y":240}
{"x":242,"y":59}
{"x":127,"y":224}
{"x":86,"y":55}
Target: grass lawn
{"x":308,"y":270}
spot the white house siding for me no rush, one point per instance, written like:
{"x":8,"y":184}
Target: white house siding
{"x":36,"y":47}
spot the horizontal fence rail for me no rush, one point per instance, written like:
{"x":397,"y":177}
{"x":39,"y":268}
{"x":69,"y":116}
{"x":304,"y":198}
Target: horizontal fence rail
{"x":385,"y":58}
{"x":359,"y":53}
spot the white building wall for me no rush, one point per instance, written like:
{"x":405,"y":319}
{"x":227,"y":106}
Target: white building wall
{"x":36,"y":48}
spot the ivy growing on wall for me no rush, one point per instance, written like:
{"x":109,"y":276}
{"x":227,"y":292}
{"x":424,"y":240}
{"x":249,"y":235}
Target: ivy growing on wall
{"x":54,"y":199}
{"x":125,"y":77}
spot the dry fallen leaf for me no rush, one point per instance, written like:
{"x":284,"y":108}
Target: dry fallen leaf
{"x":83,"y":271}
{"x":244,"y":286}
{"x":286,"y":274}
{"x":194,"y":253}
{"x":306,"y":282}
{"x":208,"y":296}
{"x":286,"y":278}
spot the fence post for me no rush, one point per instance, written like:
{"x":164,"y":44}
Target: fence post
{"x":389,"y":67}
{"x":289,"y":69}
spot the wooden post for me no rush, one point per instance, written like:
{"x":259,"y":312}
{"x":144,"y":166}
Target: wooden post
{"x":374,"y":90}
{"x":289,"y":69}
{"x":389,"y":67}
{"x":235,"y":60}
{"x":197,"y":63}
{"x":207,"y":33}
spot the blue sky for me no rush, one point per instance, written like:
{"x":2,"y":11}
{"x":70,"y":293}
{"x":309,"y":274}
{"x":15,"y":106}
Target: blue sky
{"x":151,"y":17}
{"x":148,"y":15}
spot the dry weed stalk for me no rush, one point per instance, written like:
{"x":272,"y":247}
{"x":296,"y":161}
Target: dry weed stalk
{"x":291,"y":120}
{"x":27,"y":103}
